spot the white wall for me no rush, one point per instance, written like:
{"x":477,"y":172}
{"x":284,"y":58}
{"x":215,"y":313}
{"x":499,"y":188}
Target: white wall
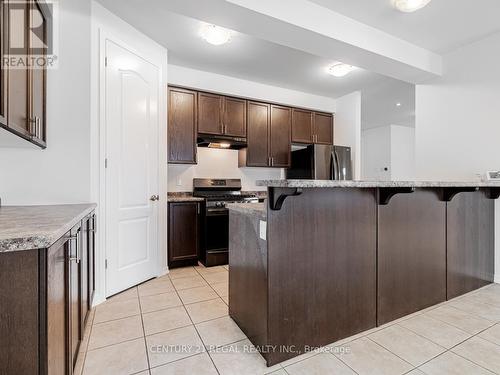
{"x":402,"y":153}
{"x":458,"y":121}
{"x":215,"y":163}
{"x":376,"y":153}
{"x":61,"y":173}
{"x":348,"y":127}
{"x":391,"y":147}
{"x":224,"y":163}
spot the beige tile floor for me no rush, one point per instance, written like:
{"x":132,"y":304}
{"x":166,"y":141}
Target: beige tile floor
{"x":179,"y":324}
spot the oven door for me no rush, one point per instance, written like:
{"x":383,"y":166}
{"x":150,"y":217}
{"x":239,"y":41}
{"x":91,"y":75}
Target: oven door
{"x":217,"y":236}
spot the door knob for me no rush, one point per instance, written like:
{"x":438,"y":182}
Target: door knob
{"x":154,"y":198}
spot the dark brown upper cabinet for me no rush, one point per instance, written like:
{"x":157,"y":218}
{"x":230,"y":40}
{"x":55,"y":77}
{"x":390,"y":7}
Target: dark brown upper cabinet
{"x":268,"y":136}
{"x":38,"y":78}
{"x":3,"y":72}
{"x":302,"y":126}
{"x":182,"y":122}
{"x":312,"y":127}
{"x":210,"y":114}
{"x":280,"y":136}
{"x":23,"y":90}
{"x":221,"y":115}
{"x":323,"y":128}
{"x":257,"y":152}
{"x":235,"y":117}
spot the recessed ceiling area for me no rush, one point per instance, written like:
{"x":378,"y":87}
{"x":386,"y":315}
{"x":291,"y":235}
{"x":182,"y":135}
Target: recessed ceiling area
{"x":244,"y":57}
{"x":442,"y":26}
{"x":391,"y":103}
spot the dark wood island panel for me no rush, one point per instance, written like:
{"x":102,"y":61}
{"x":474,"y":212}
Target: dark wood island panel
{"x":321,"y":269}
{"x":411,"y":254}
{"x":471,"y":243}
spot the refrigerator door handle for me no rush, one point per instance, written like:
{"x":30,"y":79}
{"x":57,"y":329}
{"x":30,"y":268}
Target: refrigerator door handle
{"x":337,"y":166}
{"x":332,"y":166}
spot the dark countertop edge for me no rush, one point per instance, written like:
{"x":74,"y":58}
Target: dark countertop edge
{"x":374,"y":184}
{"x":37,"y":242}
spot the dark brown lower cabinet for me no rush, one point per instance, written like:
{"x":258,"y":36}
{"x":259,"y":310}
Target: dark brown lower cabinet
{"x":411,"y":254}
{"x":471,"y":242}
{"x":42,"y":311}
{"x":184,"y":233}
{"x":321,"y":269}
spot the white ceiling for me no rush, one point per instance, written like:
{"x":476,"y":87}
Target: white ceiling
{"x":441,"y":26}
{"x":245,"y":57}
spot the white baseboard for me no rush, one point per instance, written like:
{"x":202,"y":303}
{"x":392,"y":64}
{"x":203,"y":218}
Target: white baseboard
{"x":98,"y":299}
{"x":497,"y":279}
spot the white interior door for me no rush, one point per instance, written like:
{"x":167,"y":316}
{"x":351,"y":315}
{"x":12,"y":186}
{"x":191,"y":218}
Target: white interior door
{"x":132,"y":173}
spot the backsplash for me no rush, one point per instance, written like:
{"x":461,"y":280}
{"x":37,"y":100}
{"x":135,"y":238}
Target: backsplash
{"x":216,"y":163}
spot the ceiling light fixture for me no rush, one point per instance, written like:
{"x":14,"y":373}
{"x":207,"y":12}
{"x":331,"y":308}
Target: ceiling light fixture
{"x":340,"y":69}
{"x":408,"y":6}
{"x":398,"y":104}
{"x":215,"y":35}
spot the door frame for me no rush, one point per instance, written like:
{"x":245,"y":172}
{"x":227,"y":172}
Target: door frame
{"x":157,"y":56}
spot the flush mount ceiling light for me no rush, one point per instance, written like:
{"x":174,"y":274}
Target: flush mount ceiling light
{"x":215,"y":35}
{"x":408,"y":6}
{"x":340,"y":69}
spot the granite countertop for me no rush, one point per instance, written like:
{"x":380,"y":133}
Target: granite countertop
{"x":184,"y":199}
{"x":38,"y":227}
{"x":256,"y":209}
{"x":372,"y":184}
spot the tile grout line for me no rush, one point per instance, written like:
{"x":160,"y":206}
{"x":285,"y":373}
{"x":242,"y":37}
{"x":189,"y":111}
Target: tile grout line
{"x":144,"y":335}
{"x":198,"y":333}
{"x":450,"y":350}
{"x":88,"y":343}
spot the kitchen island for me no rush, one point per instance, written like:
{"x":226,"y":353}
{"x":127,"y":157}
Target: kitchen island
{"x":325,"y":260}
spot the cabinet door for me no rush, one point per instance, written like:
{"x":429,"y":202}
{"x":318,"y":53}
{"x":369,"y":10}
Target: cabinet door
{"x":412,"y":259}
{"x":323,"y":129}
{"x":258,"y":134}
{"x":18,"y":79}
{"x":210,"y":114}
{"x":38,"y":76}
{"x":84,"y":273}
{"x":75,"y":332}
{"x":280,"y":136}
{"x":235,"y":117}
{"x":3,"y":72}
{"x":91,"y":259}
{"x":57,"y":304}
{"x":183,"y":231}
{"x":182,"y":117}
{"x":302,"y":126}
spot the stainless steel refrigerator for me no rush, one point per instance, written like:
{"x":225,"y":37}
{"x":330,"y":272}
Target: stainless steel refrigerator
{"x":321,"y":162}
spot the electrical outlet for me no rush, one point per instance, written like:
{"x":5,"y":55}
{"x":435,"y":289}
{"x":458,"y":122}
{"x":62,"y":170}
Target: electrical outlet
{"x":179,"y":182}
{"x":263,"y":230}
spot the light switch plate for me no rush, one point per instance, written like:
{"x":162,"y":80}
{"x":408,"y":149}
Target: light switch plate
{"x":263,"y":230}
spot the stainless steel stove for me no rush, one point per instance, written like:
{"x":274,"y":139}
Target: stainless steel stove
{"x":218,"y":193}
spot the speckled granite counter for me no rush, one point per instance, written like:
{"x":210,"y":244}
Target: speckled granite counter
{"x":254,"y":209}
{"x":373,"y":184}
{"x":38,"y":227}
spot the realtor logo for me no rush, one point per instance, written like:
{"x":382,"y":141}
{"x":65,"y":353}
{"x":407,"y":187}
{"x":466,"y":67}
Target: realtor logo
{"x":31,"y":34}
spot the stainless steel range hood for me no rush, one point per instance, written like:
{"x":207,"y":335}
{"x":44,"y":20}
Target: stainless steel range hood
{"x":221,"y":142}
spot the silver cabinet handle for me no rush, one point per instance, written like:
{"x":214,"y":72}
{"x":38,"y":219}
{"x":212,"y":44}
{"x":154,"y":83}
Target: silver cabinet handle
{"x":77,"y":244}
{"x":33,"y":123}
{"x":154,"y":198}
{"x":38,"y":127}
{"x":94,"y":225}
{"x":198,"y":208}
